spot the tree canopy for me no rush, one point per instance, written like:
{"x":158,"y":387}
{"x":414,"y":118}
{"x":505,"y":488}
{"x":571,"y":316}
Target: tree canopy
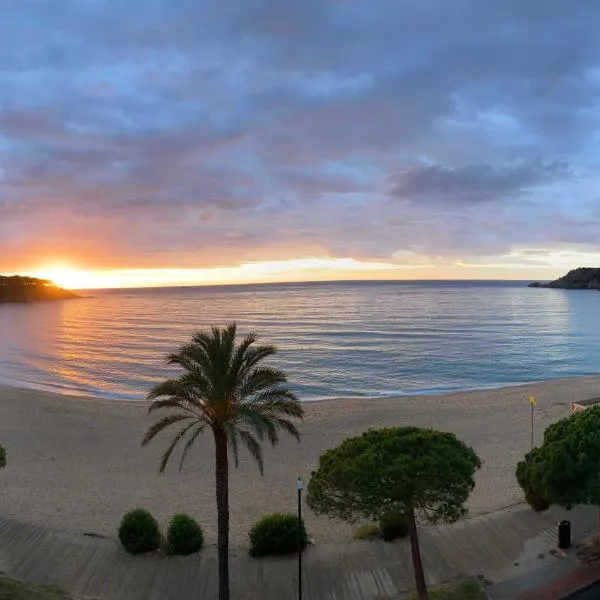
{"x":225,"y":387}
{"x":564,"y":469}
{"x":430,"y":471}
{"x":420,"y":472}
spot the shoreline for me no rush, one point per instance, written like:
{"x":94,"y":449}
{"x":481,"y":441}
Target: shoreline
{"x":76,"y":463}
{"x":392,"y":395}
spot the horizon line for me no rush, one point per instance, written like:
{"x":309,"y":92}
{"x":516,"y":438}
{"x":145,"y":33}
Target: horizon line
{"x":306,"y":282}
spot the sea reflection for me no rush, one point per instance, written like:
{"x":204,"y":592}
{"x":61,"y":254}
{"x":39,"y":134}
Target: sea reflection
{"x":334,"y":339}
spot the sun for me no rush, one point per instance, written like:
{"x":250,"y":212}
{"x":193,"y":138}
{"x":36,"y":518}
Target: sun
{"x":65,"y":277}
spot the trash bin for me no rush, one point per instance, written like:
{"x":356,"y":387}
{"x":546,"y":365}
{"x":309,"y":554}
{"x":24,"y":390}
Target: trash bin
{"x":564,"y":534}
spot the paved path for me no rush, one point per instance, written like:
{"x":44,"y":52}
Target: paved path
{"x":495,"y":546}
{"x":577,"y":579}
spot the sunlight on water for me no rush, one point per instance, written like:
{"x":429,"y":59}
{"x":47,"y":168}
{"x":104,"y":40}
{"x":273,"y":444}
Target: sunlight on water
{"x":335,"y":339}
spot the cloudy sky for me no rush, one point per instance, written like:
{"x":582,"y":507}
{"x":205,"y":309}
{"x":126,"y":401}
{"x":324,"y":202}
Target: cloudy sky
{"x":191,"y":140}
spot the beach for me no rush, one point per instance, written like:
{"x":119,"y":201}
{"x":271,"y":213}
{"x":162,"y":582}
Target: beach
{"x":77,"y":464}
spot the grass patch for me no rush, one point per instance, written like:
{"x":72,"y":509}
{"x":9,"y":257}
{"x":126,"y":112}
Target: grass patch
{"x":15,"y":590}
{"x":365,"y":532}
{"x":458,"y":590}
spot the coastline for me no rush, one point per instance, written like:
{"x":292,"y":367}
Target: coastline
{"x":74,"y":392}
{"x":76,"y":463}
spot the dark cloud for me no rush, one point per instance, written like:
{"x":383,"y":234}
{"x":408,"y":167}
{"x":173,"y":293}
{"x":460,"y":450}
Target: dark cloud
{"x":178,"y":132}
{"x":475,"y":183}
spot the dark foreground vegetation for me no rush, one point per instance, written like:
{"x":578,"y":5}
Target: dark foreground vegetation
{"x":15,"y":590}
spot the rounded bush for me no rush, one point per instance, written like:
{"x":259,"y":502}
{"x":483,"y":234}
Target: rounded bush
{"x":139,"y":532}
{"x":184,"y":535}
{"x":392,"y":525}
{"x":536,"y":502}
{"x":277,"y":534}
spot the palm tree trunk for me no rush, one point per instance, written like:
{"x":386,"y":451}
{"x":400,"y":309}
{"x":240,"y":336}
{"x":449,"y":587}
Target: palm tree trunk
{"x":222,"y":487}
{"x":416,"y":554}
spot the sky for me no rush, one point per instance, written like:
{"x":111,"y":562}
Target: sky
{"x":210,"y":141}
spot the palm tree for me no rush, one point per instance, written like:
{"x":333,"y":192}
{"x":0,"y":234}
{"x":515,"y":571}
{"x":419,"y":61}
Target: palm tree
{"x":224,"y":388}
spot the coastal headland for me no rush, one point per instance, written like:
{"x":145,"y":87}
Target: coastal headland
{"x":16,"y":288}
{"x":582,"y":278}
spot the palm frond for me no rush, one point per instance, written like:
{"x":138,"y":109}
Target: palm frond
{"x":215,"y":338}
{"x":256,"y":354}
{"x":169,"y":387}
{"x":167,"y":455}
{"x":216,"y":348}
{"x":232,"y":441}
{"x":288,"y":426}
{"x":278,"y":400}
{"x":163,"y":424}
{"x":240,"y":355}
{"x":172,"y":402}
{"x":196,"y":364}
{"x":185,"y":358}
{"x":189,"y":444}
{"x":205,"y":339}
{"x":261,"y":379}
{"x":253,"y":447}
{"x":228,"y":345}
{"x":191,"y":356}
{"x":180,"y":393}
{"x":258,"y":421}
{"x":193,"y":363}
{"x":198,"y":387}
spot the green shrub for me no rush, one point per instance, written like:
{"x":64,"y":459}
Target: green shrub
{"x":536,"y":502}
{"x":2,"y":457}
{"x":277,"y":534}
{"x":139,"y":532}
{"x":184,"y":535}
{"x":392,"y":525}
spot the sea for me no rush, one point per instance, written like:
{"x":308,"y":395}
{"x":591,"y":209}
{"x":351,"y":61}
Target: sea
{"x":334,"y":339}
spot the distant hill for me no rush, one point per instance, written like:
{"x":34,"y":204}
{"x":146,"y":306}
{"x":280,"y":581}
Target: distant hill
{"x":30,"y":289}
{"x":583,"y":278}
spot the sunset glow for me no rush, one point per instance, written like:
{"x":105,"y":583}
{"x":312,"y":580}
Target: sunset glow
{"x":67,"y":277}
{"x":313,"y":269}
{"x":519,"y":264}
{"x":283,"y":142}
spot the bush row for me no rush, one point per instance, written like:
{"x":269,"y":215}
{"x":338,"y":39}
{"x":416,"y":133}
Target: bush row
{"x":139,"y":532}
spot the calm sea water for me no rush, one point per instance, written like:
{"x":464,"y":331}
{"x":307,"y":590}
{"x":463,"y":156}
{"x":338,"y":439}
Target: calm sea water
{"x":335,"y":339}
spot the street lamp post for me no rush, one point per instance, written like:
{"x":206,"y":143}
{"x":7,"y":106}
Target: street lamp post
{"x":300,"y":488}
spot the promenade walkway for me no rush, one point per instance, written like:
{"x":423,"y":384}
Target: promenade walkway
{"x":496,"y":547}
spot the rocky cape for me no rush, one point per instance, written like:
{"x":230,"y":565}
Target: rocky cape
{"x":16,"y":288}
{"x":583,"y":278}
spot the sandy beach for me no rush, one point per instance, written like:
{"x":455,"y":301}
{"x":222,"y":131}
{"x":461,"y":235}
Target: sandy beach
{"x":77,"y":464}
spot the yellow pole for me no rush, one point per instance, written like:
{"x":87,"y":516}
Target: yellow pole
{"x":532,"y":402}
